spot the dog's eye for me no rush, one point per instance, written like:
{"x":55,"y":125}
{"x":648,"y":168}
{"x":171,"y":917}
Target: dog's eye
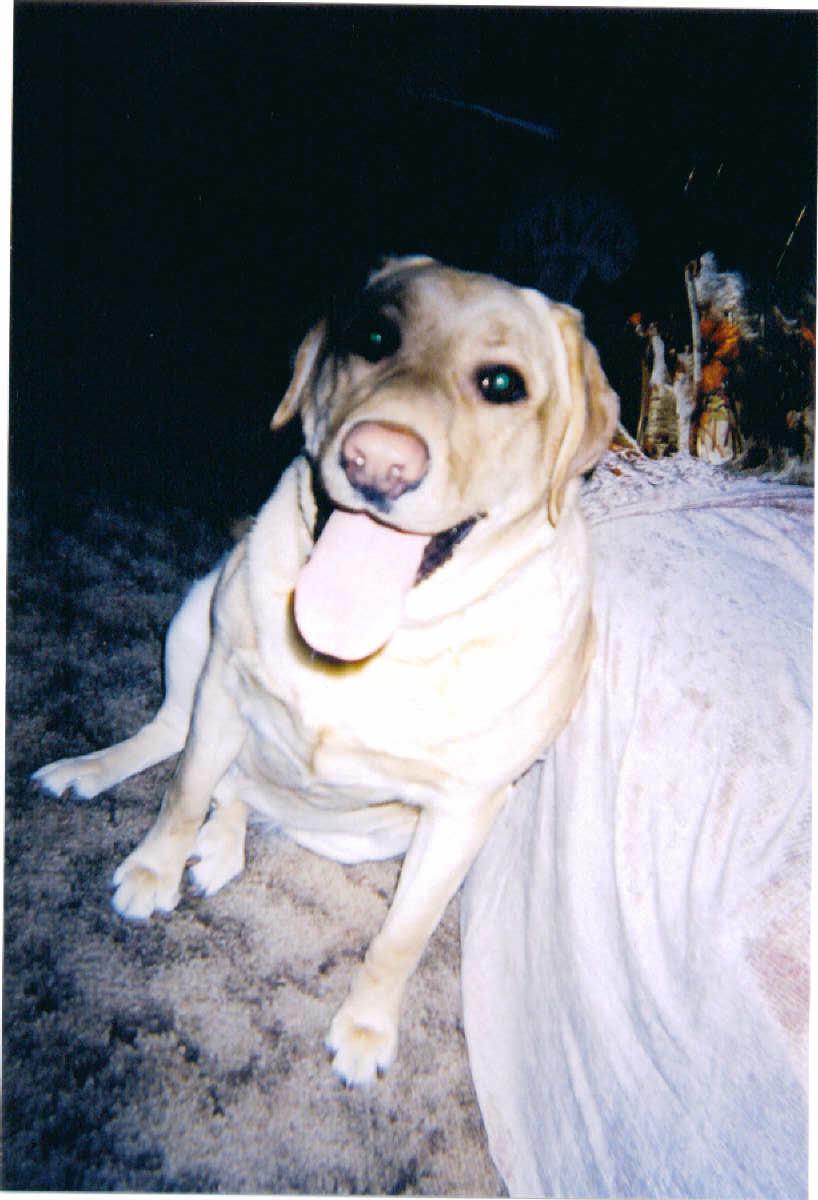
{"x":374,"y":339}
{"x":501,"y":384}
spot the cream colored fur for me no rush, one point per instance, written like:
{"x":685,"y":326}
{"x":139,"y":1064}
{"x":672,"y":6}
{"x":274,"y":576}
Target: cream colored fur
{"x":414,"y":750}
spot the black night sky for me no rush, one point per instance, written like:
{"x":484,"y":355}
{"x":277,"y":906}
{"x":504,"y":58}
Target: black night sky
{"x":192,"y":183}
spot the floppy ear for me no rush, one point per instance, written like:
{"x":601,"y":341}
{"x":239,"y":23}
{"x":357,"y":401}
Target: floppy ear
{"x":392,"y":264}
{"x":305,"y":361}
{"x":590,"y":403}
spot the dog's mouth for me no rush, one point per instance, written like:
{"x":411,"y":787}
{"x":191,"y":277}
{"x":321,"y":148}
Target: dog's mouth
{"x":350,"y":595}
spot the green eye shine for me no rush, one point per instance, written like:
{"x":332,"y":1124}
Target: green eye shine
{"x":373,"y":337}
{"x":501,"y":384}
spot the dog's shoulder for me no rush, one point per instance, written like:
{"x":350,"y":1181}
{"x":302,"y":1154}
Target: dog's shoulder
{"x":280,"y":539}
{"x":253,"y":592}
{"x":230,"y":613}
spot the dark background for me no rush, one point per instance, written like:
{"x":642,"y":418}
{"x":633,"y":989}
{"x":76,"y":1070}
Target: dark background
{"x":191,"y":183}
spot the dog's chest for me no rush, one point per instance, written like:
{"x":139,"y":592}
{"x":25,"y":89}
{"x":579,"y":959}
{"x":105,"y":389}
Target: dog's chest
{"x":459,"y":700}
{"x":375,"y":731}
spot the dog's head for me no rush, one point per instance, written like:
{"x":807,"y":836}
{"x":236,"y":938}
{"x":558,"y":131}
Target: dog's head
{"x":442,"y":396}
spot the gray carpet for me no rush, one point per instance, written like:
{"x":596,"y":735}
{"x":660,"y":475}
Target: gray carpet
{"x":186,"y":1054}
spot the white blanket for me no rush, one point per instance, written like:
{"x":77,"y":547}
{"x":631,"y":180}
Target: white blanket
{"x":635,"y":933}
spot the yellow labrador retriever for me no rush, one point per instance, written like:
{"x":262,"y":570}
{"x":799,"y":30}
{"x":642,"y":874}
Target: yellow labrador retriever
{"x":404,"y":628}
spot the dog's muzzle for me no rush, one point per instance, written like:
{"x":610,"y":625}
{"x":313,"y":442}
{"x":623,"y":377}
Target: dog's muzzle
{"x":350,"y":595}
{"x":382,"y":460}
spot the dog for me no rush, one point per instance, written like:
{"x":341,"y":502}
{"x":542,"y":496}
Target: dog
{"x":403,"y":630}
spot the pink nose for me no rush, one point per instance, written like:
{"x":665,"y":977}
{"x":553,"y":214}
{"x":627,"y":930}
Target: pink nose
{"x":382,"y":461}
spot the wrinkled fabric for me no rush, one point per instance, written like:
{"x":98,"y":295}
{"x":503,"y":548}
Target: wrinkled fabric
{"x":635,"y":932}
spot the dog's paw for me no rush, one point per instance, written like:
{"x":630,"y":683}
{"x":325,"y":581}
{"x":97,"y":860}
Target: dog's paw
{"x":219,"y":851}
{"x":142,"y":890}
{"x":362,"y":1048}
{"x":85,"y":775}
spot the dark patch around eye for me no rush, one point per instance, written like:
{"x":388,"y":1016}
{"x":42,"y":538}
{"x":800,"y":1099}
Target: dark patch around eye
{"x":369,"y":332}
{"x":373,"y":338}
{"x":366,"y":323}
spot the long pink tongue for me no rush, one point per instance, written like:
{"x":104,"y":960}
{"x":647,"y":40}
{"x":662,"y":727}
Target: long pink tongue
{"x":350,"y":595}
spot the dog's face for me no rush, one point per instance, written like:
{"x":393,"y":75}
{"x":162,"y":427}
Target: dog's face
{"x":440,"y":396}
{"x":438,"y":399}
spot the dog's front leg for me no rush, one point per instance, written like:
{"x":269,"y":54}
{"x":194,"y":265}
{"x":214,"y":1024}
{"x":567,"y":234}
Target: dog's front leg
{"x":149,"y":879}
{"x":364,"y":1034}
